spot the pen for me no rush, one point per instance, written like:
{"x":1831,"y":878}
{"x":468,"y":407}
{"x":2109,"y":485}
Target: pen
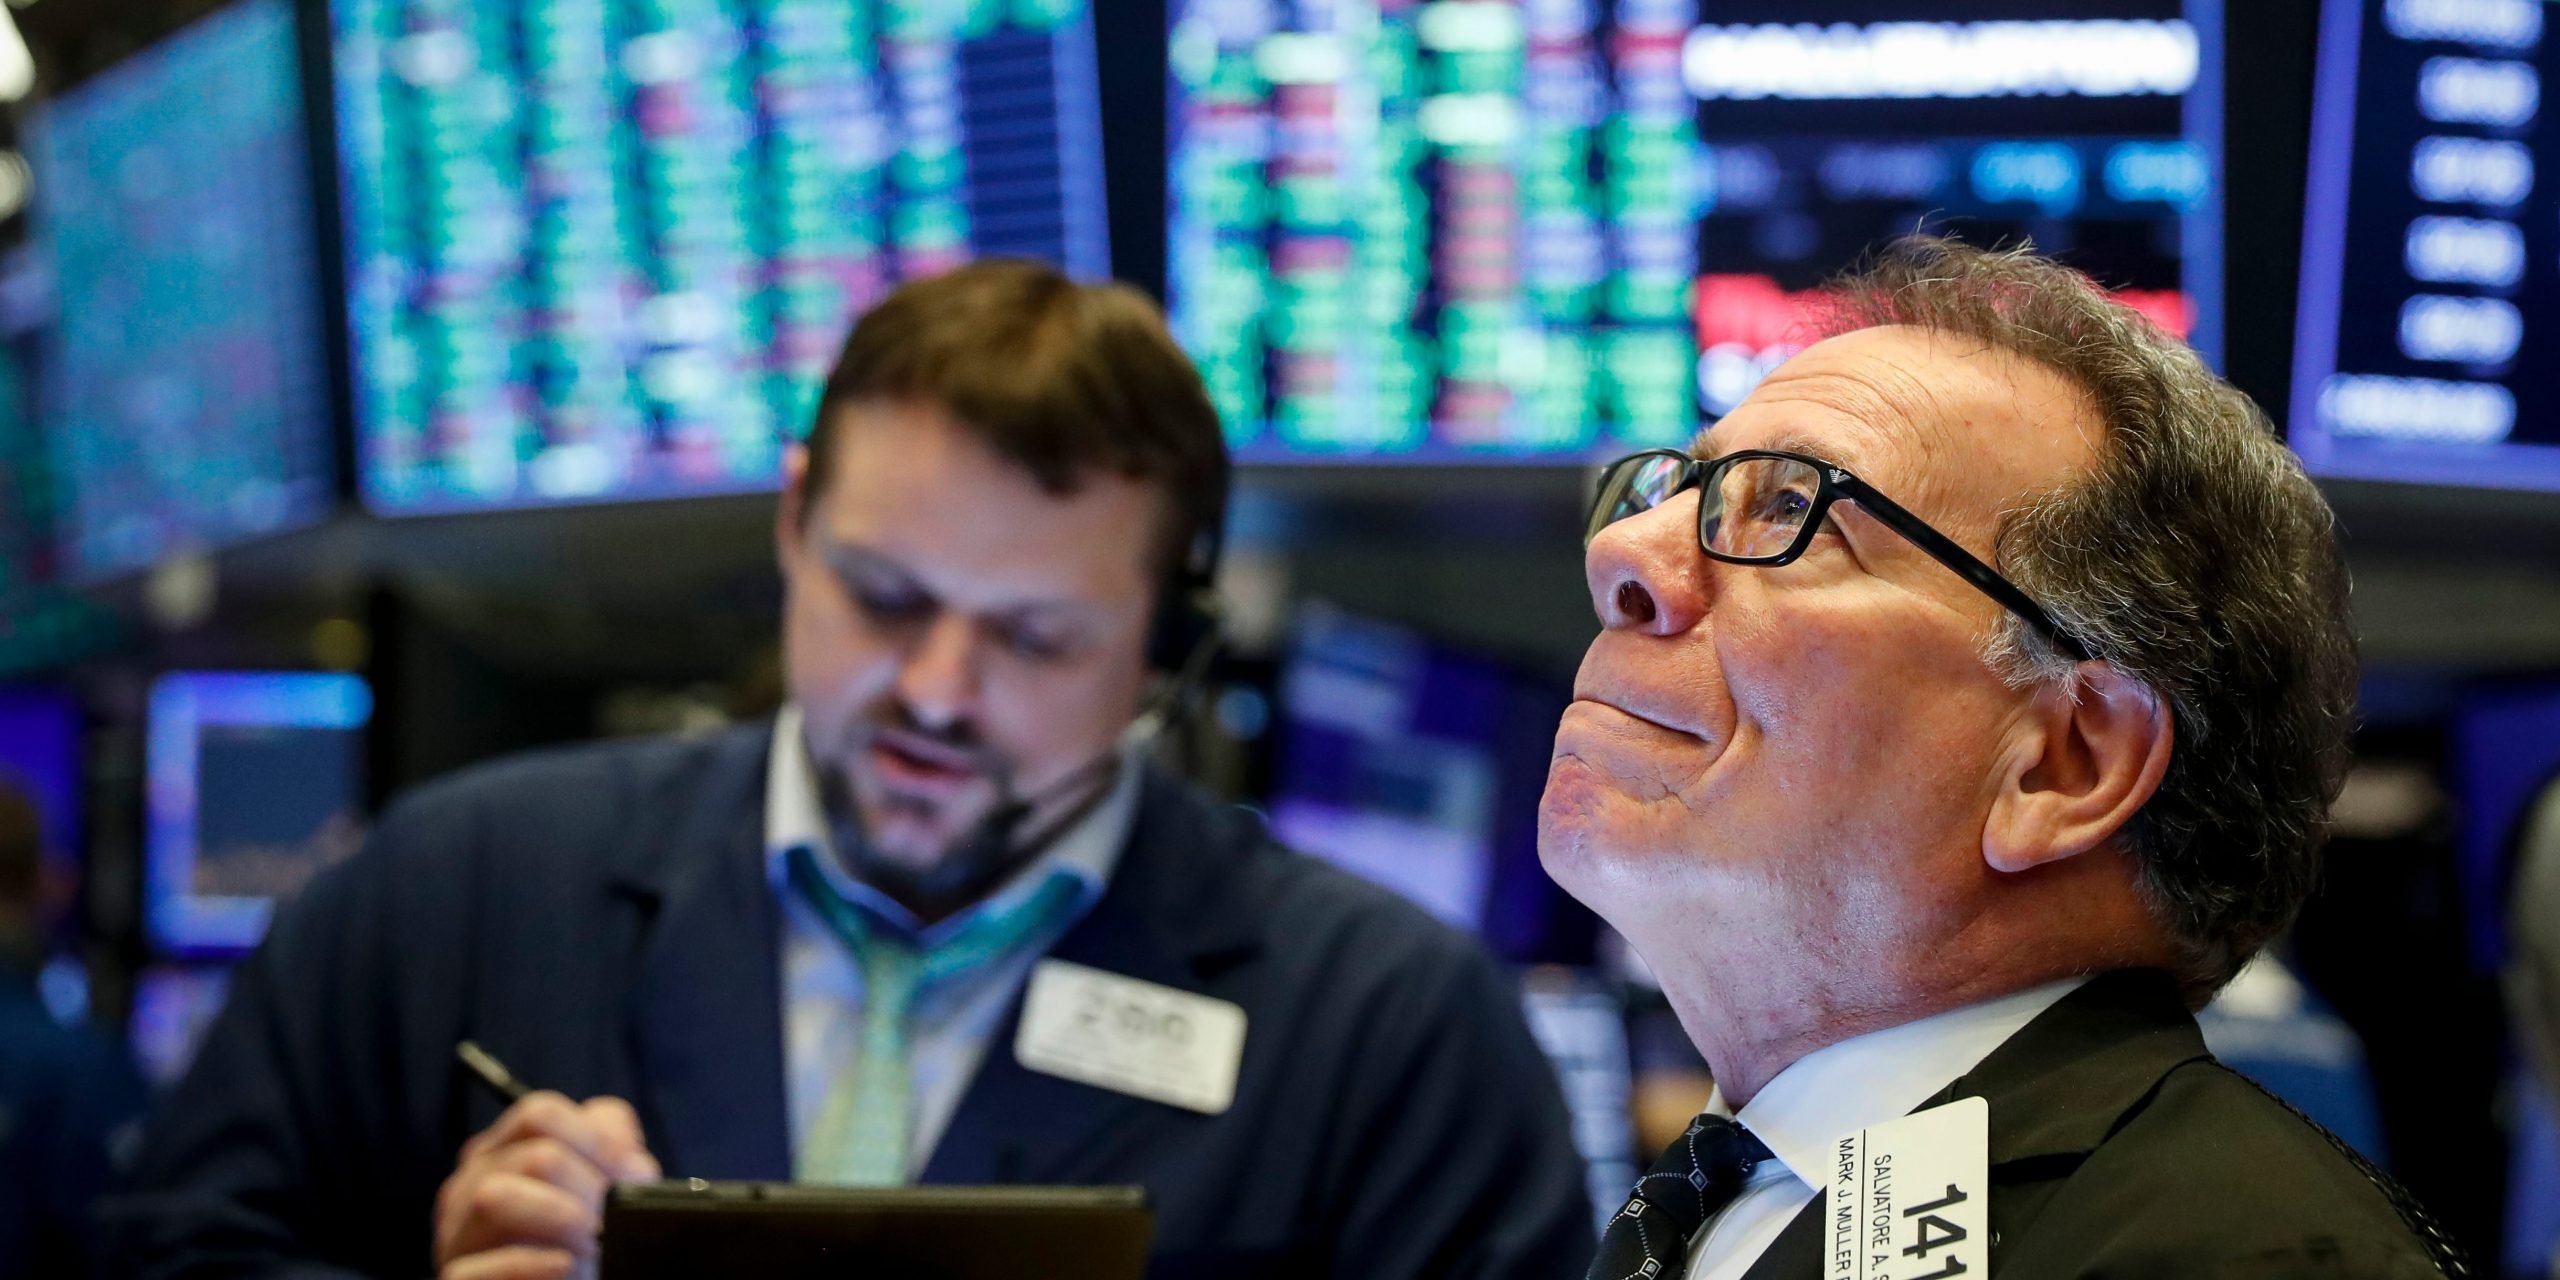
{"x":491,"y":1072}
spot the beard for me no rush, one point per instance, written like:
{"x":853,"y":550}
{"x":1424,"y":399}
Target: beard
{"x":931,"y":882}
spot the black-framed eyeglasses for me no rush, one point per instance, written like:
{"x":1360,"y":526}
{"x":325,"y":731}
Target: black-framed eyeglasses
{"x":1763,"y":507}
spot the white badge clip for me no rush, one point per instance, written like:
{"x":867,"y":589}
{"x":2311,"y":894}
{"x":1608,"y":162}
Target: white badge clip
{"x":1910,"y":1200}
{"x":1138,"y":1038}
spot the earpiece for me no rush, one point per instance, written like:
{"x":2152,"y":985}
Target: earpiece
{"x":1189,"y":624}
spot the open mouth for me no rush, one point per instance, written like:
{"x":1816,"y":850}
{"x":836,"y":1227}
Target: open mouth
{"x":909,"y":763}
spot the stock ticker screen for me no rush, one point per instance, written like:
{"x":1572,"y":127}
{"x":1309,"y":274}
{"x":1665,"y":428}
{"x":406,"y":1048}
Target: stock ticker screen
{"x":1469,"y":229}
{"x":2427,"y":135}
{"x":604,"y":251}
{"x":186,"y":379}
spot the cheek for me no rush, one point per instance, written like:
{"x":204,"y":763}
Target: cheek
{"x":1054,"y":716}
{"x":1891,"y":708}
{"x":835,"y":664}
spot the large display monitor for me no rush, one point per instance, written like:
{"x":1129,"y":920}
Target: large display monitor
{"x":256,"y":783}
{"x":2429,"y":255}
{"x":1418,"y":765}
{"x":187,"y":384}
{"x":26,"y":472}
{"x":1472,"y":230}
{"x":608,"y":251}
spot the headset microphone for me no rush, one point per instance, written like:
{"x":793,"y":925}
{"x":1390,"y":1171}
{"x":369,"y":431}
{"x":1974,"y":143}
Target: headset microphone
{"x":1188,"y":629}
{"x":992,"y":835}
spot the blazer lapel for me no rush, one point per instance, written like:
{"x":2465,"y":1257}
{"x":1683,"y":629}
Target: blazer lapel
{"x":704,"y":1018}
{"x":2056,"y":1090}
{"x":2058,"y":1087}
{"x":1162,"y":920}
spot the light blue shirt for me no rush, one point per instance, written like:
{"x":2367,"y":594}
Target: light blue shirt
{"x":953,"y":1021}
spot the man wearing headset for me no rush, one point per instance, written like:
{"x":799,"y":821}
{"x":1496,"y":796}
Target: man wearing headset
{"x":854,"y":945}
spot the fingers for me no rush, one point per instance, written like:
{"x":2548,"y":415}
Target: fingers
{"x":493,"y":1209}
{"x":551,"y":1162}
{"x":604,"y":1130}
{"x":617,"y":1127}
{"x":514,"y":1262}
{"x":529,"y":1190}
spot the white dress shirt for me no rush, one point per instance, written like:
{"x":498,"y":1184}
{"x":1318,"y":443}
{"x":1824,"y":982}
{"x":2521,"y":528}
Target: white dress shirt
{"x":953,"y":1021}
{"x":1835,"y":1091}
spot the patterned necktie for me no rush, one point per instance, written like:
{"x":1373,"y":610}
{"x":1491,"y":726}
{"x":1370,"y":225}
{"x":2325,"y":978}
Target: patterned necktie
{"x":1696,"y":1176}
{"x":860,"y":1138}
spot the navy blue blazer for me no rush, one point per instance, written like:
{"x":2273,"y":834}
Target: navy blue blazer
{"x":600,"y":919}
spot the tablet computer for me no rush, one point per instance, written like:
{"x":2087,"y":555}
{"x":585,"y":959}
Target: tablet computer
{"x":781,"y":1231}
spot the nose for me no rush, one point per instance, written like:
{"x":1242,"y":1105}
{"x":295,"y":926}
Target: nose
{"x":1646,"y":573}
{"x":939,"y":681}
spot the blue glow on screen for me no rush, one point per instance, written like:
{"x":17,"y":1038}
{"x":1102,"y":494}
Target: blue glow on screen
{"x":187,"y":382}
{"x":604,"y":251}
{"x":40,"y":757}
{"x":2430,"y":259}
{"x":255,"y":784}
{"x":1456,"y":232}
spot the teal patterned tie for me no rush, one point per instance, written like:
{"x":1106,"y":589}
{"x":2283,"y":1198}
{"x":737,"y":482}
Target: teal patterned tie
{"x":860,"y":1138}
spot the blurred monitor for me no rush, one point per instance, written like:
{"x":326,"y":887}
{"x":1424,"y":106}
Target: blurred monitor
{"x":604,"y":252}
{"x":256,"y":782}
{"x":173,"y":1006}
{"x":1418,"y":766}
{"x":1460,"y":230}
{"x":40,"y":758}
{"x":26,"y":473}
{"x":187,"y":384}
{"x":2429,"y":256}
{"x":1581,"y":1024}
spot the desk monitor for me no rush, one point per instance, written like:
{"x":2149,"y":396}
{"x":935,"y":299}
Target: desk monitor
{"x":601,"y":251}
{"x":187,"y":383}
{"x":1418,"y":765}
{"x":1544,"y":232}
{"x":684,"y":1230}
{"x":256,"y":783}
{"x":2430,"y":257}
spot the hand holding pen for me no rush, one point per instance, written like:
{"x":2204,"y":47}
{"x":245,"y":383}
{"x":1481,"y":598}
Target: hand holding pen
{"x":526,"y":1199}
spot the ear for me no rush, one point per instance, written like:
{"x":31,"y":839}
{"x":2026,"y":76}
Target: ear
{"x":791,"y":515}
{"x":2083,"y":762}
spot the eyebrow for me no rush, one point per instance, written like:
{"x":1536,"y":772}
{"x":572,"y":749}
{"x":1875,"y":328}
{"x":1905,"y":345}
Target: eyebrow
{"x":847,"y":559}
{"x":1704,"y":449}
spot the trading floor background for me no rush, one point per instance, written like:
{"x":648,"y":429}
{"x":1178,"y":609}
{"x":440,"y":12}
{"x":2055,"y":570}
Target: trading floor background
{"x":390,"y":385}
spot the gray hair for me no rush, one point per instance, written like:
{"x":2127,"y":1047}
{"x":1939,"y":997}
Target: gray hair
{"x":2195,"y":556}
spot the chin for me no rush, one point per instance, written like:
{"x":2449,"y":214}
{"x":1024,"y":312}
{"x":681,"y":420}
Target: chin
{"x":909,"y":832}
{"x":1573,"y":838}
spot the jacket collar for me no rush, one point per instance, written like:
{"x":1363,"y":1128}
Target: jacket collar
{"x":1173,"y":915}
{"x":703,"y":1016}
{"x":2058,"y":1088}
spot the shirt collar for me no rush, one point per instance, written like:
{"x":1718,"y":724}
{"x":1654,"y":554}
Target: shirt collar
{"x":793,"y":817}
{"x":1867,"y":1080}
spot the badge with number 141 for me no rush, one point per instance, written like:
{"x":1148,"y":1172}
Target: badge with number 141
{"x":1907,"y":1200}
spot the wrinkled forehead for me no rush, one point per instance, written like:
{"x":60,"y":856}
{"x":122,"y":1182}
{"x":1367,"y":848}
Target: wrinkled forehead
{"x":1944,"y":424}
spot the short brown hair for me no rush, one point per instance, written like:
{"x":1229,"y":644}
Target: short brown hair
{"x":2195,"y":556}
{"x":1063,"y":379}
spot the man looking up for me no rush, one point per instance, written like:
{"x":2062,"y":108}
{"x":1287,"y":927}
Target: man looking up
{"x":802,"y":949}
{"x":1967,"y":709}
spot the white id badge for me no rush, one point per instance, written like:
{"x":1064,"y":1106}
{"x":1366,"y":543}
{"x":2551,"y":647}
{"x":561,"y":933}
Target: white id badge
{"x":1138,"y":1038}
{"x":1909,"y":1200}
